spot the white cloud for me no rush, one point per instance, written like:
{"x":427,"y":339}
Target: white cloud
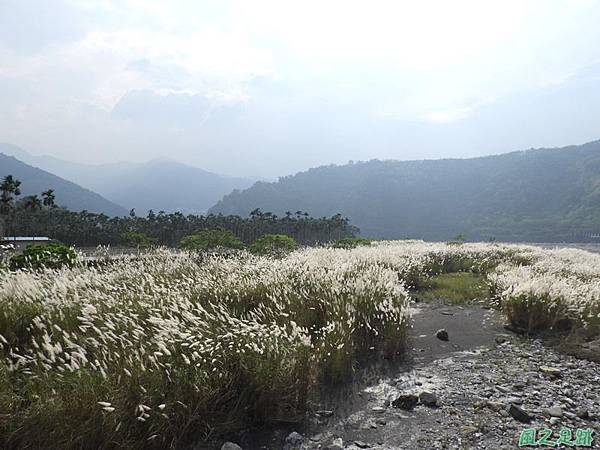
{"x":376,"y":65}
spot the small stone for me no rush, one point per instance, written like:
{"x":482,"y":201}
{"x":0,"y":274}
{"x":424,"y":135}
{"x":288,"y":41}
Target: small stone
{"x":406,"y":401}
{"x":515,"y":400}
{"x":293,"y":441}
{"x":380,"y":422}
{"x":583,"y":413}
{"x":494,"y":406}
{"x":554,"y":411}
{"x":336,"y":444}
{"x":500,"y":339}
{"x":230,"y":446}
{"x":519,"y":413}
{"x":378,"y":409}
{"x":361,"y":444}
{"x":324,"y":413}
{"x":442,"y":334}
{"x":428,"y":398}
{"x":468,"y":430}
{"x":553,"y":372}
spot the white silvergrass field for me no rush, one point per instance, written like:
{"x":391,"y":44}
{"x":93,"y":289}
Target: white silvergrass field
{"x":163,"y":349}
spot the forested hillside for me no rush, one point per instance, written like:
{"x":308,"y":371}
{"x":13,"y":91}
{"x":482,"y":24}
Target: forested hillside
{"x":534,"y":195}
{"x":68,"y":194}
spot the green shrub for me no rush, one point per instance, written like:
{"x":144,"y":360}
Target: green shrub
{"x":139,"y":240}
{"x":52,"y":256}
{"x":273,"y":243}
{"x":351,"y":242}
{"x":211,"y":240}
{"x":457,"y":240}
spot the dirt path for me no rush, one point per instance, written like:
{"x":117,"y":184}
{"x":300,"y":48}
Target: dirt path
{"x":473,"y":379}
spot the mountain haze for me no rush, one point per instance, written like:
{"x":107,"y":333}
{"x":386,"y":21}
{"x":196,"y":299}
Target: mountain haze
{"x":534,"y":195}
{"x":160,"y":184}
{"x":68,"y":194}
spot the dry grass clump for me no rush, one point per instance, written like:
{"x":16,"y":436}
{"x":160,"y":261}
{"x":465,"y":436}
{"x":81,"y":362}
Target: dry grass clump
{"x":164,"y":348}
{"x":558,"y":290}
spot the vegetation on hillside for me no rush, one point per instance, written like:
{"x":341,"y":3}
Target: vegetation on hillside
{"x":68,"y":194}
{"x":547,"y":195}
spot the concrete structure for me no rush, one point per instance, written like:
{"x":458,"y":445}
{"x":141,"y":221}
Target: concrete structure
{"x":21,"y":242}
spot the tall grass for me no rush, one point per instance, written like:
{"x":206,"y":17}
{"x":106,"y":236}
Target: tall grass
{"x":168,"y":348}
{"x":163,"y":349}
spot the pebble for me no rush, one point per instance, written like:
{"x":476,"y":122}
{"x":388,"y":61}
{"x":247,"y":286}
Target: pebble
{"x":442,"y":334}
{"x":555,"y":411}
{"x":293,"y":441}
{"x":519,"y":413}
{"x":230,"y":446}
{"x":406,"y":401}
{"x":553,"y":372}
{"x":428,"y":398}
{"x":336,"y":444}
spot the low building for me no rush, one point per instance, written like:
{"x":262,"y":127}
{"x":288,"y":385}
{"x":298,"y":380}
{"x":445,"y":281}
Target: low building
{"x":22,"y":242}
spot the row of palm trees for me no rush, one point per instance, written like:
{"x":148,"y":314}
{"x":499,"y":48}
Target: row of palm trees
{"x":90,"y":229}
{"x":39,"y":216}
{"x":11,"y":204}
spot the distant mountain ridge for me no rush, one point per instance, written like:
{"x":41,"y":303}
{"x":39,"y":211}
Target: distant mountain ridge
{"x":535,"y":195}
{"x":68,"y":194}
{"x":159,"y":184}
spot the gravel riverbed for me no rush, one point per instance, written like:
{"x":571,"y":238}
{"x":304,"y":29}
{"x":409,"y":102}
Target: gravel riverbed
{"x":478,"y":390}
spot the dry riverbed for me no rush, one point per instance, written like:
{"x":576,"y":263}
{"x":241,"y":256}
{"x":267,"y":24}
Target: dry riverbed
{"x":478,"y":390}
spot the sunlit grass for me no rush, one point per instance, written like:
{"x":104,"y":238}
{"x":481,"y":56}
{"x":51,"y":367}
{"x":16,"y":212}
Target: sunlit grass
{"x":167,"y":348}
{"x":454,"y":288}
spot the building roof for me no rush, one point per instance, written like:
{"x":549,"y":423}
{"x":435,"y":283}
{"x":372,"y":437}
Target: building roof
{"x":26,"y":238}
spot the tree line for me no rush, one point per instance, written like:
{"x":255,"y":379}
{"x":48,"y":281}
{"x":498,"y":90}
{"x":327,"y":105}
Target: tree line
{"x":35,"y":216}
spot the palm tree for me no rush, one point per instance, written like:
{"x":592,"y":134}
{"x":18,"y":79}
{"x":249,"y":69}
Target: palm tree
{"x":32,"y":203}
{"x":49,"y":198}
{"x":8,"y":190}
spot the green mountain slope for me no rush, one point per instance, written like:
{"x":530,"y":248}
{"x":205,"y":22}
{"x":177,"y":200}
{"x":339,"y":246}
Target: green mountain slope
{"x":68,"y":194}
{"x":535,"y":195}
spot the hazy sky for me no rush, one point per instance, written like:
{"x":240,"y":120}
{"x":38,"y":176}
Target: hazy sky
{"x":271,"y":87}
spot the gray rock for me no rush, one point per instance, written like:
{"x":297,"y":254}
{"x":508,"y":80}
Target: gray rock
{"x":324,"y":413}
{"x":230,"y":446}
{"x":361,"y":444}
{"x":336,"y":444}
{"x":442,"y":334}
{"x":552,"y":372}
{"x":519,"y":413}
{"x":406,"y":401}
{"x":428,"y":398}
{"x":293,"y":441}
{"x":583,"y":413}
{"x":501,"y":339}
{"x":555,"y":411}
